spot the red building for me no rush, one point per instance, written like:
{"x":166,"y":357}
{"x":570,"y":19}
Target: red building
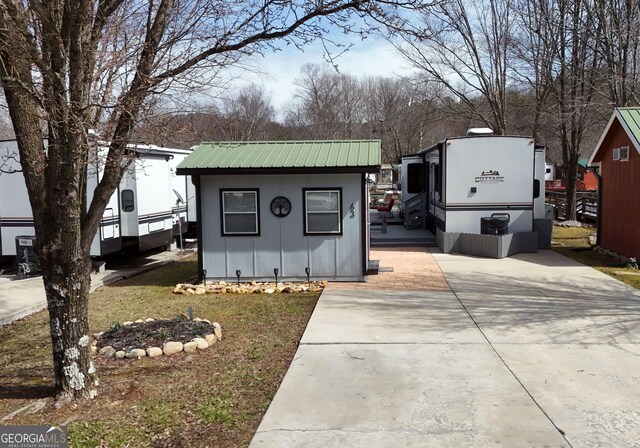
{"x":586,"y":178}
{"x":617,"y":157}
{"x":586,"y":175}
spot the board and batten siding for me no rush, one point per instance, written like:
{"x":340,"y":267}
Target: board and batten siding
{"x":620,"y":209}
{"x":282,"y":243}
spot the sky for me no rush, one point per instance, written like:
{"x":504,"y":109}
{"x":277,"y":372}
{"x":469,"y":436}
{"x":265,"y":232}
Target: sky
{"x":277,"y":71}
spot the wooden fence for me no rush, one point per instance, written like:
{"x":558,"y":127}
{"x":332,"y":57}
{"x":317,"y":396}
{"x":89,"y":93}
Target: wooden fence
{"x":586,"y":204}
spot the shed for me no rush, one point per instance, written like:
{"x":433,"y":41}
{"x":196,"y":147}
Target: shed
{"x":586,"y":175}
{"x":287,"y":205}
{"x":617,"y":157}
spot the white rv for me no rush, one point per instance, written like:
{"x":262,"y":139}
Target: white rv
{"x":16,"y":217}
{"x":149,"y":208}
{"x":478,"y":185}
{"x":181,"y":187}
{"x":550,"y":171}
{"x":143,"y":211}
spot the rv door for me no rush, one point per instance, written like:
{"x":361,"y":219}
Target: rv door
{"x":109,"y":220}
{"x":412,"y":181}
{"x":413,"y":184}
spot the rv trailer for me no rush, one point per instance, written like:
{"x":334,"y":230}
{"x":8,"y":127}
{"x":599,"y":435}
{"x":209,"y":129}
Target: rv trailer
{"x":481,"y":194}
{"x":148,"y":203}
{"x":180,"y":190}
{"x":16,"y":218}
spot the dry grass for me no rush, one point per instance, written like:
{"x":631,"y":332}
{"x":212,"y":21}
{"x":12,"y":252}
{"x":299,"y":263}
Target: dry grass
{"x":214,"y":397}
{"x":573,"y":242}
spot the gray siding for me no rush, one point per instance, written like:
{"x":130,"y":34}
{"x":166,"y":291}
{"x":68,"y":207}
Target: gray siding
{"x":282,"y":243}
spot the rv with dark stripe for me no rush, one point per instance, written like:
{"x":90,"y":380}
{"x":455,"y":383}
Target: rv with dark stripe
{"x":479,"y":194}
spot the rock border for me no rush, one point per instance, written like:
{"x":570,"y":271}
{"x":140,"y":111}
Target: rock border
{"x":168,"y":348}
{"x":223,"y":287}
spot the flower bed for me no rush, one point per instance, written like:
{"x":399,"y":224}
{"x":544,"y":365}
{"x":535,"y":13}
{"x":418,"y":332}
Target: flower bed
{"x":156,"y":337}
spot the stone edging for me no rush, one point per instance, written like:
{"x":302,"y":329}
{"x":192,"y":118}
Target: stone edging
{"x":168,"y":348}
{"x":249,"y":287}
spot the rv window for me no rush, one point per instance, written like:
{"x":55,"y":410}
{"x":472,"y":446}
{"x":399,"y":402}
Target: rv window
{"x":239,"y":210}
{"x":126,"y":201}
{"x":415,"y":178}
{"x":322,"y":211}
{"x":536,"y":188}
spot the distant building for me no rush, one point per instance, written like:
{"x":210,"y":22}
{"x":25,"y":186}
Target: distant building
{"x":556,"y":180}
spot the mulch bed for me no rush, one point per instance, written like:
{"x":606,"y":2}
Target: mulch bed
{"x":153,"y":333}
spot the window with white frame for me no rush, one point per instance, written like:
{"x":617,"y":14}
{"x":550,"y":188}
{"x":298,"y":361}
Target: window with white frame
{"x":240,"y":215}
{"x":322,"y":211}
{"x":624,"y":153}
{"x":616,"y":153}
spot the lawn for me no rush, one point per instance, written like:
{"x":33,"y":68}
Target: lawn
{"x":573,"y":242}
{"x":214,"y":397}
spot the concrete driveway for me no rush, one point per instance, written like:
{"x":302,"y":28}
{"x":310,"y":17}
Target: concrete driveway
{"x":529,"y":351}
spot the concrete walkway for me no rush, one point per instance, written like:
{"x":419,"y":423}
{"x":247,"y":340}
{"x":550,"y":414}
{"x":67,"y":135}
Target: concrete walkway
{"x":21,"y":297}
{"x":530,"y":351}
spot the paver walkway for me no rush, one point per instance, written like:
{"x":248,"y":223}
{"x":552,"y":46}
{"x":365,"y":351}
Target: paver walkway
{"x":401,"y":268}
{"x":529,"y":351}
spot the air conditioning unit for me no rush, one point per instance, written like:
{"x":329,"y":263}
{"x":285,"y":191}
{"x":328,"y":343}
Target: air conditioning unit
{"x":479,"y":131}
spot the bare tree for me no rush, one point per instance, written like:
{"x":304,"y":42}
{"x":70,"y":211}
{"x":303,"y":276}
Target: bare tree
{"x":335,"y":105}
{"x":465,"y":46}
{"x":398,"y":111}
{"x":620,"y":48}
{"x":83,"y":64}
{"x":247,"y":114}
{"x":533,"y":56}
{"x":328,"y":103}
{"x":574,"y":37}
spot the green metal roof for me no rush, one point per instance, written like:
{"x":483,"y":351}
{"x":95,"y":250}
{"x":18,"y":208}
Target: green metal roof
{"x":631,"y":118}
{"x":344,"y":155}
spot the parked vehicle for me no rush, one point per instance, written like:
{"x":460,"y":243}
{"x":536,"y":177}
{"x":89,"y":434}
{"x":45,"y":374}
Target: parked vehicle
{"x":16,"y":217}
{"x":143,"y":212}
{"x":476,"y":185}
{"x":152,"y":198}
{"x":182,"y":189}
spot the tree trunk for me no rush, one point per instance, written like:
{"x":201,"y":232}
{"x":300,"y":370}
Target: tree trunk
{"x":65,"y":261}
{"x":571,"y":171}
{"x":56,"y":201}
{"x":67,"y":288}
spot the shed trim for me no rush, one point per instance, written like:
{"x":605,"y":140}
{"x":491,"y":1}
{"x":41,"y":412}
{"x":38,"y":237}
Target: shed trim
{"x":280,"y":170}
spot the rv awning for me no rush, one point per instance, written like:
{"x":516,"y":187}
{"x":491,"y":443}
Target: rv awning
{"x":280,"y":157}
